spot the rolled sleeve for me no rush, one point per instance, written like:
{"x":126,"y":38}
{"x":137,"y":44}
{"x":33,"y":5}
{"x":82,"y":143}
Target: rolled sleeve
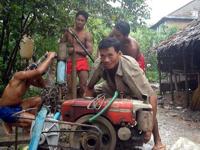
{"x":96,"y":74}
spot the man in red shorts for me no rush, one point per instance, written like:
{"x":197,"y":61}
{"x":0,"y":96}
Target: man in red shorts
{"x":82,"y":66}
{"x":129,"y":45}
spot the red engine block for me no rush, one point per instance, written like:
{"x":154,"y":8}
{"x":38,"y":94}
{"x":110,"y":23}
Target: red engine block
{"x":120,"y":111}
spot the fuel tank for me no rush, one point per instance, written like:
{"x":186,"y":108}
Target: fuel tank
{"x":121,"y":110}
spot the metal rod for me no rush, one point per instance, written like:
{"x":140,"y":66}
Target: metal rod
{"x":74,"y":76}
{"x":16,"y":137}
{"x":67,"y":123}
{"x":80,"y":43}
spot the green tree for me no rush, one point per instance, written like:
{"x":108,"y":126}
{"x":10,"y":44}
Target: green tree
{"x":148,"y":39}
{"x":45,"y":21}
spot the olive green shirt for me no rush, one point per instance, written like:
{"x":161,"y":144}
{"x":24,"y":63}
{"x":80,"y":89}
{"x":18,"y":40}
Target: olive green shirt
{"x":129,"y":78}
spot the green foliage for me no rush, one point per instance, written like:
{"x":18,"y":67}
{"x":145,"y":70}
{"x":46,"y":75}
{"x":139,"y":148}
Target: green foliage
{"x":99,"y":29}
{"x":152,"y":75}
{"x":2,"y":68}
{"x":43,"y":44}
{"x":147,"y":39}
{"x":45,"y":20}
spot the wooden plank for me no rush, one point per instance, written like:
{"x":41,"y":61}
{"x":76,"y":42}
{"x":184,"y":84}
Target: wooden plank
{"x":10,"y":140}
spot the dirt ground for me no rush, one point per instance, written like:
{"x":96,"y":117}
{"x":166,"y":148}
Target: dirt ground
{"x":176,"y":122}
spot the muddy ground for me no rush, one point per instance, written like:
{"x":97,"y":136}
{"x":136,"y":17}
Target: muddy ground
{"x":175,"y":123}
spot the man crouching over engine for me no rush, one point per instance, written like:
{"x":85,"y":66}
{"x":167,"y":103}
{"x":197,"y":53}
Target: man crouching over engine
{"x":122,"y":73}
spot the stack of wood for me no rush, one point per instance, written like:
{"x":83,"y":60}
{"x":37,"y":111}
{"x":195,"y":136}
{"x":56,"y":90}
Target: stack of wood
{"x":195,"y":104}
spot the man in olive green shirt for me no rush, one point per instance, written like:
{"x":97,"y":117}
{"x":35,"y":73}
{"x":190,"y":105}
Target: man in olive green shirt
{"x":122,"y":73}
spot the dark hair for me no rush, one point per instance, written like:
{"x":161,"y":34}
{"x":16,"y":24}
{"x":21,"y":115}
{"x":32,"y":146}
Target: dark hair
{"x":110,"y":42}
{"x":83,"y":13}
{"x":31,"y":66}
{"x":123,"y":27}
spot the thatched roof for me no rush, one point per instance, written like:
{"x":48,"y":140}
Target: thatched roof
{"x":184,"y":39}
{"x":182,"y":46}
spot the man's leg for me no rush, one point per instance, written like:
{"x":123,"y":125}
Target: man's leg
{"x":83,"y":77}
{"x":156,"y":134}
{"x":33,"y":102}
{"x":24,"y":121}
{"x":157,"y":140}
{"x":7,"y":128}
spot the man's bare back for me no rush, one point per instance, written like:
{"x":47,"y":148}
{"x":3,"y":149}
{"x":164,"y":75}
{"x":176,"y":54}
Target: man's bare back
{"x":131,"y":47}
{"x":11,"y":100}
{"x":17,"y":88}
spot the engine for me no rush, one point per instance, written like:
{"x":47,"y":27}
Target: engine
{"x":122,"y":125}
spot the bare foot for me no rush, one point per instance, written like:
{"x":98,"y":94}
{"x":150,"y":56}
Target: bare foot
{"x":7,"y":128}
{"x":159,"y":146}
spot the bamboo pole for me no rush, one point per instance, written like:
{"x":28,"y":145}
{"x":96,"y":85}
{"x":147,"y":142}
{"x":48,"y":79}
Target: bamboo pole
{"x":74,"y":76}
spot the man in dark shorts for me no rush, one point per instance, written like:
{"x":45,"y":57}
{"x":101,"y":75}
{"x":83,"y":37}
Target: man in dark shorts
{"x":12,"y":102}
{"x":82,"y":65}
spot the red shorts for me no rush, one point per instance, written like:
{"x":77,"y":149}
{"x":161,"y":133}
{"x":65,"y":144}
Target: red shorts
{"x":81,"y":65}
{"x":141,"y":61}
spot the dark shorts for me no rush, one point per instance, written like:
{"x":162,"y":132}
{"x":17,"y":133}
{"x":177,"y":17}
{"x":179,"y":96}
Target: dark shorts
{"x":6,"y":113}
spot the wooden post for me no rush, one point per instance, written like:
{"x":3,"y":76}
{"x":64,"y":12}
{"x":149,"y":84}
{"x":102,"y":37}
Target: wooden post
{"x":186,"y":78}
{"x":16,"y":138}
{"x":171,"y":87}
{"x":73,"y":76}
{"x":171,"y":79}
{"x":159,"y":72}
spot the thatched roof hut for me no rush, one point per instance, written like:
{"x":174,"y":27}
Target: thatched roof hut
{"x":181,"y":51}
{"x":179,"y":58}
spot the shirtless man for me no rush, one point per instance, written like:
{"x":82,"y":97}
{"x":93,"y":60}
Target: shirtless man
{"x":130,"y":46}
{"x":82,"y":65}
{"x":11,"y":101}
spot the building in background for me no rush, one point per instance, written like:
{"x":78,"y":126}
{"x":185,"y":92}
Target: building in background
{"x":180,"y":17}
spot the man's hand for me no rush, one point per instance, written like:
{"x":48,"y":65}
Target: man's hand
{"x":52,"y":55}
{"x":88,"y":92}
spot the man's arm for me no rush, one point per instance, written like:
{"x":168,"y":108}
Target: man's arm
{"x":36,"y":72}
{"x":135,"y":78}
{"x":153,"y":102}
{"x":93,"y":79}
{"x":38,"y":82}
{"x":139,"y":85}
